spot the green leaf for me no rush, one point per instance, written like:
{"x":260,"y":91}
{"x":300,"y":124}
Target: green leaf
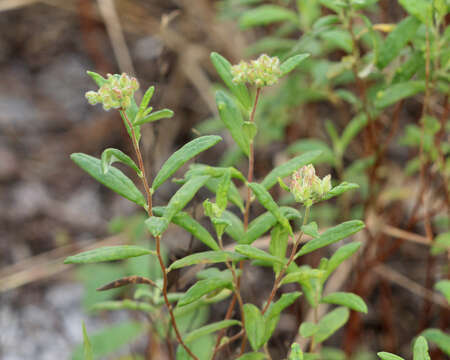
{"x":351,"y":130}
{"x":420,"y":350}
{"x":87,"y":347}
{"x":304,"y":145}
{"x":183,"y":195}
{"x":108,"y":253}
{"x":397,"y":92}
{"x":208,"y":329}
{"x":338,"y":38}
{"x":111,"y":339}
{"x":441,"y":339}
{"x":444,"y":287}
{"x":232,"y":118}
{"x":343,"y":253}
{"x":266,"y":14}
{"x":291,"y":63}
{"x":340,"y":189}
{"x":233,"y":193}
{"x":279,"y":238}
{"x":252,"y":356}
{"x":204,"y":287}
{"x":123,"y":305}
{"x":331,"y":236}
{"x":156,"y":225}
{"x":421,"y":9}
{"x":407,"y":69}
{"x":99,"y":80}
{"x":311,"y":229}
{"x":223,"y":68}
{"x":325,"y":21}
{"x":301,"y":275}
{"x":236,"y":230}
{"x":289,"y":167}
{"x":296,"y":352}
{"x":113,"y":179}
{"x":388,"y":356}
{"x":396,"y":41}
{"x":206,"y":257}
{"x":257,"y":254}
{"x":254,"y":326}
{"x":222,"y":190}
{"x":154,"y":116}
{"x":144,"y":103}
{"x":330,"y":323}
{"x":110,"y":156}
{"x":183,"y":155}
{"x":267,"y":201}
{"x":185,"y":221}
{"x":346,"y":299}
{"x":308,"y":329}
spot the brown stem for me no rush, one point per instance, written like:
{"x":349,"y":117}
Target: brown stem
{"x":157,"y":238}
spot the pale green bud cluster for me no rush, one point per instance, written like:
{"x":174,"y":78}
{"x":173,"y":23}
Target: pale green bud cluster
{"x":307,"y":187}
{"x":264,"y":71}
{"x":115,"y":93}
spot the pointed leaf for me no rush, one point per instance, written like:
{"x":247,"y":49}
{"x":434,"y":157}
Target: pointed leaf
{"x":257,"y":254}
{"x":331,"y":236}
{"x":330,"y":323}
{"x":254,"y":326}
{"x":397,"y":92}
{"x":388,"y":356}
{"x":99,"y":80}
{"x":223,"y":68}
{"x":343,"y":253}
{"x":351,"y":130}
{"x":108,"y":253}
{"x":236,"y":230}
{"x":203,"y":287}
{"x":267,"y":201}
{"x":291,"y":63}
{"x":311,"y":229}
{"x":266,"y":14}
{"x":154,"y":116}
{"x":308,"y":329}
{"x":208,"y":329}
{"x":232,"y":118}
{"x":396,"y":41}
{"x":144,"y":103}
{"x":183,"y":155}
{"x":420,"y":350}
{"x":340,"y":189}
{"x":126,"y":304}
{"x":110,"y":156}
{"x":289,"y":167}
{"x":352,"y":301}
{"x":206,"y":257}
{"x":183,"y":195}
{"x":444,"y":287}
{"x":88,"y":355}
{"x":114,"y":179}
{"x":156,"y":225}
{"x":279,"y":238}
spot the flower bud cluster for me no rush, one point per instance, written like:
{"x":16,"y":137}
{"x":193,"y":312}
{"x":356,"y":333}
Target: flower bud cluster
{"x":307,"y":187}
{"x":264,"y":71}
{"x":115,"y":93}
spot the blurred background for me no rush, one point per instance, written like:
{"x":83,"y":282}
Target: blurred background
{"x":50,"y":209}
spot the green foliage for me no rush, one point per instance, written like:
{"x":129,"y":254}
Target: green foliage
{"x":108,"y":253}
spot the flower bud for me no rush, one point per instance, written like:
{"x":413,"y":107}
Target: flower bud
{"x":307,"y":187}
{"x":264,"y":71}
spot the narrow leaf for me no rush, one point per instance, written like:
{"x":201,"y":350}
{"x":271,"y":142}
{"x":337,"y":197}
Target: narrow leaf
{"x":343,"y":253}
{"x":236,"y":230}
{"x":206,"y":257}
{"x":289,"y":167}
{"x":441,"y":339}
{"x":331,"y":236}
{"x":223,"y":68}
{"x":311,"y":229}
{"x":308,"y":329}
{"x":144,"y":103}
{"x":420,"y":350}
{"x":254,"y":326}
{"x":352,"y":301}
{"x":99,"y":80}
{"x":388,"y":356}
{"x":330,"y":323}
{"x":108,"y":253}
{"x":396,"y":41}
{"x":183,"y":195}
{"x":87,"y":347}
{"x":257,"y":254}
{"x":110,"y":156}
{"x":291,"y":63}
{"x":114,"y":179}
{"x":340,"y":189}
{"x":232,"y":118}
{"x":444,"y":287}
{"x":156,"y":225}
{"x":208,"y":329}
{"x":397,"y":92}
{"x":203,"y":287}
{"x":266,"y":14}
{"x":154,"y":116}
{"x":183,"y":155}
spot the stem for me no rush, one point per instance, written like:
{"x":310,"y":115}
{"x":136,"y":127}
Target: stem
{"x":157,"y":238}
{"x":283,"y":270}
{"x":140,"y":162}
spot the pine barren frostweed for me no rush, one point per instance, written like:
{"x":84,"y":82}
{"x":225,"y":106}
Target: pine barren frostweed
{"x":307,"y":187}
{"x":264,"y":71}
{"x":115,"y":93}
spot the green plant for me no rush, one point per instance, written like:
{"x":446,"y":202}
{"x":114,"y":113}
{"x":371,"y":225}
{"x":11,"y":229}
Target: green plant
{"x":257,"y":322}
